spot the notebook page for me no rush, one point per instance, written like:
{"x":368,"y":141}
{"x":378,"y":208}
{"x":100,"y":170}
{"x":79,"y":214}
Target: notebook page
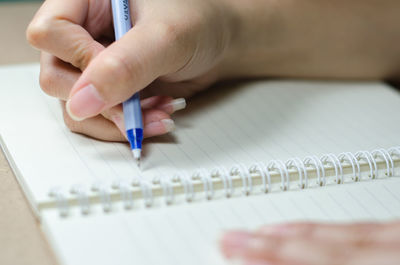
{"x":188,"y":234}
{"x":237,"y":123}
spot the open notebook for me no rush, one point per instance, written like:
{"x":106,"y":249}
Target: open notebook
{"x":242,"y":155}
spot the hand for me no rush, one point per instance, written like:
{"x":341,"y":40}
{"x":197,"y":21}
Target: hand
{"x":174,"y":49}
{"x":316,"y":244}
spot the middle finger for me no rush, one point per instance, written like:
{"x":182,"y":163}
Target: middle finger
{"x":57,"y":77}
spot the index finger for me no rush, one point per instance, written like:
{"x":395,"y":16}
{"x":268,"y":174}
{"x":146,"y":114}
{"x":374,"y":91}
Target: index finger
{"x":57,"y":28}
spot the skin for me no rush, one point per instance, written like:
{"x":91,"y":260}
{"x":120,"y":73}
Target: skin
{"x":315,"y":244}
{"x":179,"y":47}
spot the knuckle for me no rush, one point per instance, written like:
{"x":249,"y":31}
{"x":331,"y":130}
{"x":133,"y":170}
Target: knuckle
{"x":117,"y":66}
{"x":113,"y":64}
{"x":82,"y":53}
{"x":168,"y":32}
{"x":38,"y":32}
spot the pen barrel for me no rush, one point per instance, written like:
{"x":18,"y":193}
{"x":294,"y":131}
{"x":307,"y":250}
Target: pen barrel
{"x":121,"y":17}
{"x":131,"y":107}
{"x":132,"y":113}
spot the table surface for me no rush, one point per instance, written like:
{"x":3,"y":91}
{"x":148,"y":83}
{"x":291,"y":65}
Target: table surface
{"x":21,"y":239}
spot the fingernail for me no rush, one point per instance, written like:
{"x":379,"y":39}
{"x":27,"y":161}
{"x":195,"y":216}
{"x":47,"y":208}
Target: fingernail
{"x":85,"y":103}
{"x":168,"y":124}
{"x":176,"y":104}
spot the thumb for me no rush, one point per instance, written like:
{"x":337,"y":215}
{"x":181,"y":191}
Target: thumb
{"x":124,"y":68}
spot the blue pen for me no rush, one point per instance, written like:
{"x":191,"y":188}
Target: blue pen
{"x":131,"y":107}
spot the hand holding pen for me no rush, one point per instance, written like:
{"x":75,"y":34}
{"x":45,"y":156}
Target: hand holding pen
{"x":82,"y":65}
{"x":179,"y":47}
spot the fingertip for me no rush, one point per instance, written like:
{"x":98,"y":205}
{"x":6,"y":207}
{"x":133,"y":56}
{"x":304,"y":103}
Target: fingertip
{"x":85,"y":103}
{"x":169,"y":125}
{"x":37,"y":31}
{"x":174,"y":105}
{"x":71,"y":114}
{"x":160,"y":127}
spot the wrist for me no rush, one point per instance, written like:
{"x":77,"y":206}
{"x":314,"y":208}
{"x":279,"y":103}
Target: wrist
{"x":312,"y":39}
{"x":257,"y":37}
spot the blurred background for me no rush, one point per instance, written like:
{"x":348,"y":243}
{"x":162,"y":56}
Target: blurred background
{"x":21,"y":240}
{"x":14,"y":17}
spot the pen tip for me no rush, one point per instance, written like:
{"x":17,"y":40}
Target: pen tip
{"x":136,"y":155}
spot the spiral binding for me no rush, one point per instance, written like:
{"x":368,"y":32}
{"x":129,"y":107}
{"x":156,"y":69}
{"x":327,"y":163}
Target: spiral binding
{"x":187,"y":184}
{"x":61,"y":201}
{"x":123,"y":190}
{"x":126,"y":194}
{"x":245,"y":175}
{"x":83,"y":199}
{"x":227,"y":183}
{"x":206,"y":179}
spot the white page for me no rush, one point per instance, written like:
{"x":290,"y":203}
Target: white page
{"x":188,"y":234}
{"x":243,"y":123}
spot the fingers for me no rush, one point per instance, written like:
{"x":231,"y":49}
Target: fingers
{"x":247,"y":247}
{"x":57,"y":77}
{"x":315,"y":244}
{"x":354,"y":233}
{"x":125,"y":67}
{"x":67,"y":31}
{"x":158,"y":127}
{"x":164,"y":103}
{"x":97,"y":127}
{"x":358,"y":234}
{"x":156,"y":111}
{"x":57,"y":29}
{"x":155,"y":121}
{"x":110,"y":125}
{"x":382,"y":255}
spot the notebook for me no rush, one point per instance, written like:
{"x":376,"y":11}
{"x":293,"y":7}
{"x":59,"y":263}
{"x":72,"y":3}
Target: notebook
{"x":243,"y":155}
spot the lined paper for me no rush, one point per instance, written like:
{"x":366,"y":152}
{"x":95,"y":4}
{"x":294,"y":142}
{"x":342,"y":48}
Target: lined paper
{"x":188,"y":234}
{"x":240,"y":123}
